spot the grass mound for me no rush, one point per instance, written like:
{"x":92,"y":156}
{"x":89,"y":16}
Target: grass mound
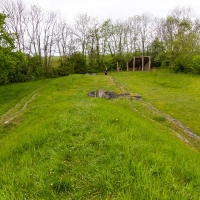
{"x":67,"y":145}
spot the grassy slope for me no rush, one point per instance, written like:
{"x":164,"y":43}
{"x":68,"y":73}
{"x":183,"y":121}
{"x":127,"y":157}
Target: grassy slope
{"x":175,"y":94}
{"x":69,"y":146}
{"x":10,"y":95}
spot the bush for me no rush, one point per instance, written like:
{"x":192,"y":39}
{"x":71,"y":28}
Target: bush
{"x":6,"y":65}
{"x":63,"y":70}
{"x":54,"y":72}
{"x":20,"y":71}
{"x":78,"y":62}
{"x":182,"y":64}
{"x":13,"y":67}
{"x":196,"y":64}
{"x":35,"y":66}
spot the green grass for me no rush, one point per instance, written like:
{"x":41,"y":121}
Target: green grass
{"x":175,"y":94}
{"x":66,"y":145}
{"x":10,"y":95}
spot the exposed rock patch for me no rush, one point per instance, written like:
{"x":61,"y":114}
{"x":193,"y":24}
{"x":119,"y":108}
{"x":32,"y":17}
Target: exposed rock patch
{"x":103,"y":94}
{"x":110,"y":95}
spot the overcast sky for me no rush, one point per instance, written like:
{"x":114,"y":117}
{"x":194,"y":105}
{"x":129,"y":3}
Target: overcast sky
{"x":114,"y":9}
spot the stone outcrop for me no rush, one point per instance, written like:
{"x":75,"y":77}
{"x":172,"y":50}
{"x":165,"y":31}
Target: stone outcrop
{"x":110,"y":95}
{"x":102,"y":94}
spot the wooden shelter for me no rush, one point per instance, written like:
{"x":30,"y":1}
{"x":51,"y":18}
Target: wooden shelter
{"x":139,"y":63}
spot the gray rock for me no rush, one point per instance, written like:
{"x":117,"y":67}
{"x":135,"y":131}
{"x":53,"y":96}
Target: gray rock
{"x":101,"y":94}
{"x":92,"y":94}
{"x":110,"y":95}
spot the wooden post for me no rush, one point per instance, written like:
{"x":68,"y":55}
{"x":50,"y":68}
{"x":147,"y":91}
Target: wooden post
{"x":127,"y":68}
{"x":142,"y":63}
{"x":117,"y":66}
{"x":149,"y":62}
{"x":133,"y":63}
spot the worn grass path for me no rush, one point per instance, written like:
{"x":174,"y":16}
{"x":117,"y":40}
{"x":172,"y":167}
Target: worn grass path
{"x":148,"y":111}
{"x":178,"y":95}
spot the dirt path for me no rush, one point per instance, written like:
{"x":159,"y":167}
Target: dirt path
{"x":17,"y":110}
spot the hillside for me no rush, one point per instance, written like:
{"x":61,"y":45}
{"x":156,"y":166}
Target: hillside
{"x":58,"y":143}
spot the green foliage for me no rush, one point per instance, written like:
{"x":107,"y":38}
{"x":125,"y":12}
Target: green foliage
{"x":73,"y":64}
{"x":121,"y":61}
{"x":64,"y":67}
{"x":13,"y":67}
{"x":182,"y":64}
{"x":196,"y":64}
{"x":35,"y":66}
{"x":6,"y":64}
{"x":109,"y":62}
{"x":6,"y":39}
{"x":64,"y":70}
{"x":53,"y":72}
{"x":76,"y":63}
{"x":179,"y":65}
{"x":177,"y":44}
{"x":182,"y":45}
{"x":19,"y":71}
{"x":156,"y":50}
{"x":93,"y":61}
{"x":79,"y":63}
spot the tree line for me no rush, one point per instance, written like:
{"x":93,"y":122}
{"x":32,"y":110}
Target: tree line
{"x":35,"y":43}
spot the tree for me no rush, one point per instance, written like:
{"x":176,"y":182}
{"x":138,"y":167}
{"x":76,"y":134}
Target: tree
{"x":40,"y":35}
{"x":156,"y":50}
{"x":81,"y":31}
{"x":6,"y":46}
{"x":132,"y":25}
{"x":93,"y":46}
{"x":35,"y":66}
{"x":49,"y":40}
{"x":64,"y":41}
{"x":12,"y":64}
{"x":77,"y":63}
{"x":17,"y":12}
{"x":6,"y":39}
{"x":144,"y":31}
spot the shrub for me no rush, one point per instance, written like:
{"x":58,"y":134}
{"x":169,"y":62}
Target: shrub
{"x":182,"y":64}
{"x":35,"y":66}
{"x":63,"y":70}
{"x":79,"y":63}
{"x":13,"y":67}
{"x":196,"y":64}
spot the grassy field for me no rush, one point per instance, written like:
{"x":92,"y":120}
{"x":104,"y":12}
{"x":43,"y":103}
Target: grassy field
{"x":58,"y":143}
{"x":176,"y":94}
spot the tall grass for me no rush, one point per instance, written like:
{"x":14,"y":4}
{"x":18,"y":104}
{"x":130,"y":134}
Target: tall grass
{"x":70,"y":146}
